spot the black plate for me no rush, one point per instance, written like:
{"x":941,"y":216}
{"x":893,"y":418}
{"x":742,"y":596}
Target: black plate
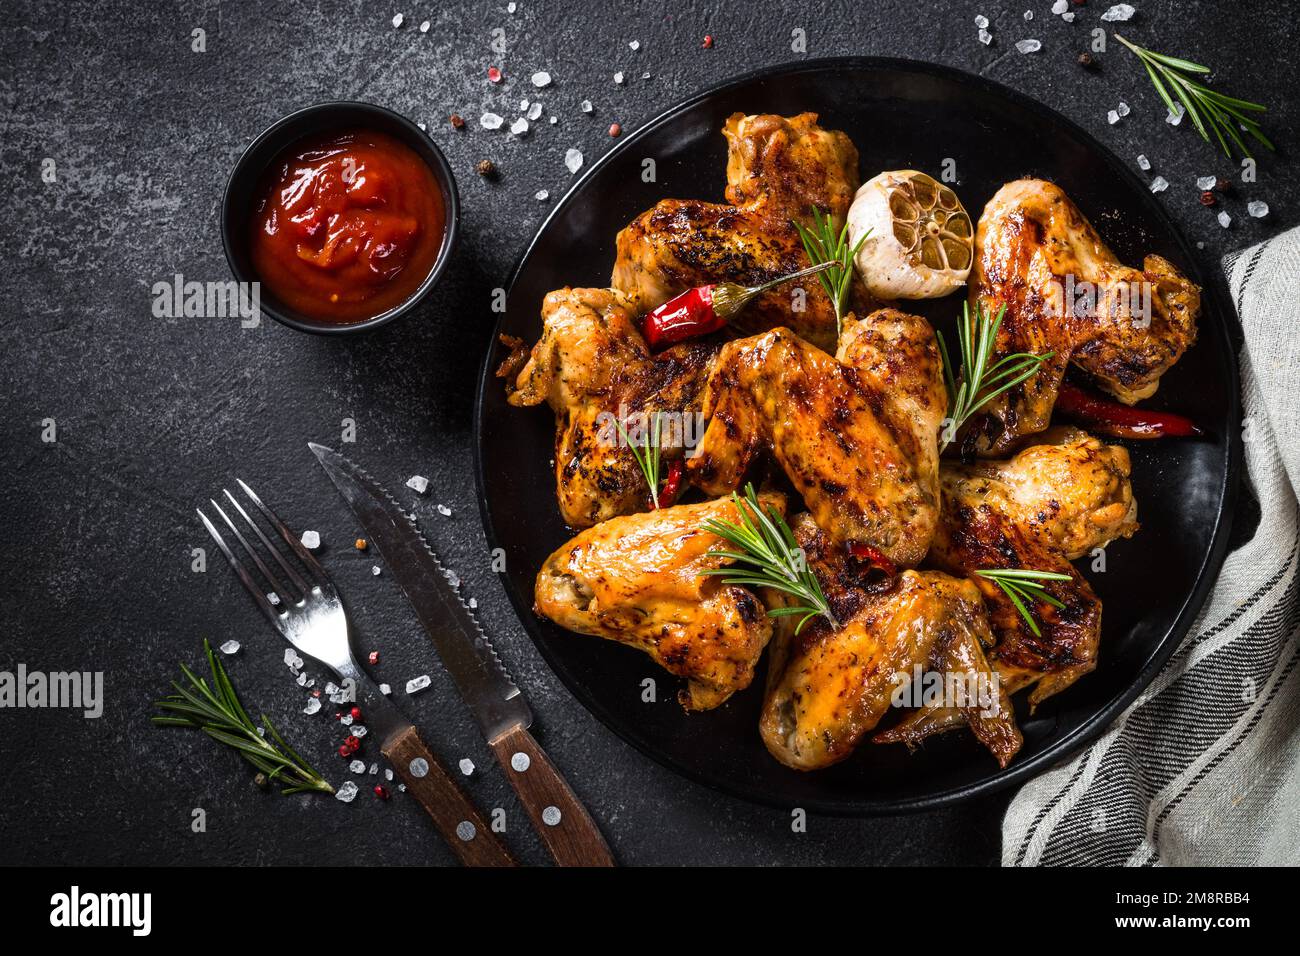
{"x":900,"y":114}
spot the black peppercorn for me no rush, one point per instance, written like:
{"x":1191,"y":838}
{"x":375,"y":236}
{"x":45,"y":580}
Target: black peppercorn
{"x":487,"y":169}
{"x":1086,"y":60}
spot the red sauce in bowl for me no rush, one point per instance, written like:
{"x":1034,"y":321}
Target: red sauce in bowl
{"x":348,"y":226}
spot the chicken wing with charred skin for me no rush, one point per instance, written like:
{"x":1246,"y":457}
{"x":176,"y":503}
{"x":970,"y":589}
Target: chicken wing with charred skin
{"x":640,"y":580}
{"x":855,"y":435}
{"x":1052,"y":502}
{"x":828,"y":687}
{"x":1067,"y":293}
{"x":592,"y":367}
{"x":778,"y":168}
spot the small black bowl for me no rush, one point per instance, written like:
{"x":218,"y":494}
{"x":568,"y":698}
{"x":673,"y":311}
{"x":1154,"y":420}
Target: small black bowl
{"x":246,"y":178}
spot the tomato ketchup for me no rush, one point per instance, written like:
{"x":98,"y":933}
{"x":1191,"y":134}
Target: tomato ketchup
{"x":347,"y":226}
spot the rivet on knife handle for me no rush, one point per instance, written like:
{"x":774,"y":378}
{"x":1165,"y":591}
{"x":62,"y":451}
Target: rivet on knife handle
{"x":455,"y":816}
{"x":563,"y":823}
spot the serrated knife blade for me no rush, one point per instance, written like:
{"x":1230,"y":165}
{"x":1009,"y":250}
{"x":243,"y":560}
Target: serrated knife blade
{"x":467,"y":654}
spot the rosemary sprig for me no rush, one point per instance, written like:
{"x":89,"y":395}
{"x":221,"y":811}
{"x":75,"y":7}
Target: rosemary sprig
{"x":217,"y":712}
{"x":823,"y":245}
{"x":1025,"y":587}
{"x":1209,"y":110}
{"x":768,"y":557}
{"x":981,"y":382}
{"x":648,"y":455}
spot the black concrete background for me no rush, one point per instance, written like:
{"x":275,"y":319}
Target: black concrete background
{"x":153,"y":415}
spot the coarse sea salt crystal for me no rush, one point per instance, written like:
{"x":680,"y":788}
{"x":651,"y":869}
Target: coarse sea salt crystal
{"x":385,"y":689}
{"x":466,"y":766}
{"x":541,"y":195}
{"x":541,"y":78}
{"x":376,"y":571}
{"x":511,"y":7}
{"x":618,"y":77}
{"x":1060,"y":6}
{"x":1123,"y":108}
{"x":981,"y":21}
{"x":424,"y":27}
{"x":444,"y":511}
{"x":313,"y":705}
{"x":358,"y":730}
{"x":357,"y":766}
{"x":417,"y":684}
{"x":388,"y":774}
{"x":473,"y":603}
{"x":374,"y":768}
{"x":634,"y":45}
{"x":1205,"y":182}
{"x":1225,"y":220}
{"x":1068,"y":17}
{"x":554,"y":120}
{"x":452,"y":578}
{"x":519,"y":127}
{"x":985,"y":37}
{"x":292,"y":659}
{"x":1159,"y":184}
{"x":535,"y":111}
{"x":310,"y":540}
{"x":346,"y":720}
{"x":1028,"y":46}
{"x":1175,"y":115}
{"x":347,"y":793}
{"x":573,"y":160}
{"x":418,"y":483}
{"x":523,"y":105}
{"x":1257,"y":208}
{"x":1029,"y":15}
{"x":1143,"y":162}
{"x":1112,"y":117}
{"x":1119,"y":13}
{"x":490,"y":121}
{"x":230,"y":647}
{"x":398,"y":19}
{"x":273,"y":599}
{"x":302,"y":679}
{"x":585,"y":106}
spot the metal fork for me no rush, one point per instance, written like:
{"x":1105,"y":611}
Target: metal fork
{"x":310,"y":616}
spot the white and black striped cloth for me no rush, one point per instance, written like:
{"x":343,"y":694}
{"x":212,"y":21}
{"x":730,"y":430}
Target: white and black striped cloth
{"x":1203,"y":769}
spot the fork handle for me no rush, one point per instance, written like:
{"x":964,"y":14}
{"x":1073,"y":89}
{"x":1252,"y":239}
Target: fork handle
{"x":558,"y":816}
{"x":446,"y":803}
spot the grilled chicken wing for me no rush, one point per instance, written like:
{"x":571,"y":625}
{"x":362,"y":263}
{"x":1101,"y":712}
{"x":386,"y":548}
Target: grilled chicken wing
{"x":1068,"y":490}
{"x":593,"y":368}
{"x":828,"y":687}
{"x":777,"y":169}
{"x":640,"y":580}
{"x":1065,"y":292}
{"x":1050,"y":503}
{"x":856,"y":435}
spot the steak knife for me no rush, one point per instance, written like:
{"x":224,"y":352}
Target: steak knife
{"x":562,"y":822}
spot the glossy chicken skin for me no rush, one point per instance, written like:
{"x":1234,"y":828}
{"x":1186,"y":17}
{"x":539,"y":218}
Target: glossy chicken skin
{"x":829,"y":686}
{"x":640,"y":580}
{"x":856,"y":436}
{"x":592,"y":367}
{"x":778,"y":168}
{"x":1068,"y":490}
{"x":1065,"y":292}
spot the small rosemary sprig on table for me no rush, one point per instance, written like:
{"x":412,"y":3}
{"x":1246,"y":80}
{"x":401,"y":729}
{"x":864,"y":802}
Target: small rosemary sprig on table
{"x":648,"y":455}
{"x":768,"y":557}
{"x":823,"y":245}
{"x":1209,"y":110}
{"x":981,"y":382}
{"x":1025,"y":587}
{"x":217,"y":712}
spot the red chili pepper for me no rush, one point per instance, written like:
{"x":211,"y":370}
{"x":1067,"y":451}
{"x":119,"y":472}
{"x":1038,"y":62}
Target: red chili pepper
{"x":1121,"y":421}
{"x":872,"y":556}
{"x":672,"y":484}
{"x":706,"y":309}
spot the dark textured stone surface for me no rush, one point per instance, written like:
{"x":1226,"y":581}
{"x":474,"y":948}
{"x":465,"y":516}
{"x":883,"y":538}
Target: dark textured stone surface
{"x":155,"y":414}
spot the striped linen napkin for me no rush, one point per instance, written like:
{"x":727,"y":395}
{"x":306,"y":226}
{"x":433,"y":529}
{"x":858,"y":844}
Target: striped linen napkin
{"x":1203,"y":769}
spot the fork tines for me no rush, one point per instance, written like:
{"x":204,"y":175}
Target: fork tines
{"x":276,"y":586}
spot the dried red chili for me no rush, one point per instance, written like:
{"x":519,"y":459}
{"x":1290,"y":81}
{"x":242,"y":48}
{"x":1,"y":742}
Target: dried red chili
{"x":672,"y":484}
{"x":706,"y":309}
{"x":1121,"y":421}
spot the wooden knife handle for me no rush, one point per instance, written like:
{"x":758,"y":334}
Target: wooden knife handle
{"x":558,"y":816}
{"x":455,"y":816}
